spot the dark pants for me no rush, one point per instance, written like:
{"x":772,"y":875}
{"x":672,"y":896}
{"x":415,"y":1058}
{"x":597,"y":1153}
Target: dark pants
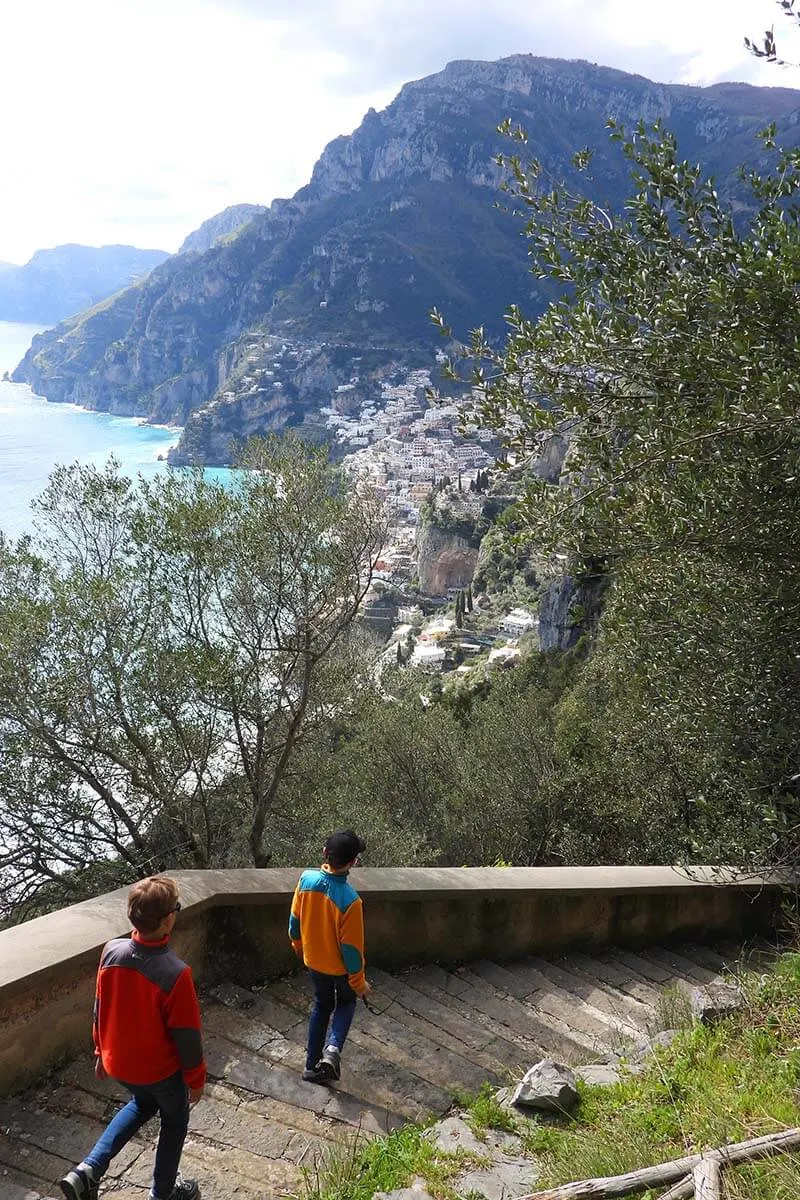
{"x":332,"y":996}
{"x":170,"y":1098}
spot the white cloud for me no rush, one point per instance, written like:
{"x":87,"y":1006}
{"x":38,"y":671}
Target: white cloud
{"x":134,"y":120}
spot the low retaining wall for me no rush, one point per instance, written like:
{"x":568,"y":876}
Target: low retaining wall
{"x":233,"y":926}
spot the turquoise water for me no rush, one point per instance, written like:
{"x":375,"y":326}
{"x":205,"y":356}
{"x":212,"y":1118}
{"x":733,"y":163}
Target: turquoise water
{"x":36,"y":436}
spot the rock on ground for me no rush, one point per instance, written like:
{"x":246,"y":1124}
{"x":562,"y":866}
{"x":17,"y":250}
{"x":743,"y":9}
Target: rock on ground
{"x":549,"y":1085}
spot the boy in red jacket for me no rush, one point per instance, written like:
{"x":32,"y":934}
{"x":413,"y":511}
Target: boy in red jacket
{"x":146,"y":1030}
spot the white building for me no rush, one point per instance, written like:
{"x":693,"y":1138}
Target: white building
{"x":519,"y":621}
{"x":428,"y":657}
{"x":409,"y":613}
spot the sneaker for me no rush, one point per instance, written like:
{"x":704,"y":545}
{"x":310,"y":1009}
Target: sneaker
{"x":185,"y":1189}
{"x":332,"y":1059}
{"x":318,"y":1074}
{"x":80,"y":1183}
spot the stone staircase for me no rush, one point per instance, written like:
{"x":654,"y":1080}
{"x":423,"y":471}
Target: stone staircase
{"x":437,"y":1032}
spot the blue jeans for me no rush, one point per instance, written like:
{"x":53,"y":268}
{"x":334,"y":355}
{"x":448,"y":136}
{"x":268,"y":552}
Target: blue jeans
{"x":332,"y":995}
{"x":170,"y":1098}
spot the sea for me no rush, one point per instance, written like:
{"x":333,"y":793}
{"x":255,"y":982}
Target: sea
{"x":36,"y":436}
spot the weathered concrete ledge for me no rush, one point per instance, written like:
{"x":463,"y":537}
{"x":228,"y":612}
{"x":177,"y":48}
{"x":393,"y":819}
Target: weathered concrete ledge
{"x":233,"y":925}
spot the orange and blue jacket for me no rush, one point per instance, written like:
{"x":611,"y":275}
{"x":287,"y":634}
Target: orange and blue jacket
{"x":146,"y":1023}
{"x":326,"y":925}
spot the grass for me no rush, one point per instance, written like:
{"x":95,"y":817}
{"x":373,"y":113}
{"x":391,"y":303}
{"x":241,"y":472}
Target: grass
{"x":711,"y":1085}
{"x":673,"y":1011}
{"x":383,"y":1164}
{"x":484,"y":1112}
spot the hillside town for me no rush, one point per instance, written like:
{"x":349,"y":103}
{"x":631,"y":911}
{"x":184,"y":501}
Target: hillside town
{"x":402,"y":445}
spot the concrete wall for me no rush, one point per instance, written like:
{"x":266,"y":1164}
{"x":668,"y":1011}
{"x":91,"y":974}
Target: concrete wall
{"x":233,"y":926}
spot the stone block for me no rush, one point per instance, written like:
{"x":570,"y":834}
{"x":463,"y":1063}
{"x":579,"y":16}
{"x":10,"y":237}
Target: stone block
{"x":715,"y":1001}
{"x":549,"y":1085}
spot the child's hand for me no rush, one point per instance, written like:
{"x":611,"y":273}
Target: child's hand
{"x":195,"y":1094}
{"x":367,"y":989}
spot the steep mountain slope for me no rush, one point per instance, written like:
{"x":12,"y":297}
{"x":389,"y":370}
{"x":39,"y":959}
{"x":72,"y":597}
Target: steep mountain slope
{"x":398,"y":217}
{"x":220,"y":226}
{"x":67,"y":279}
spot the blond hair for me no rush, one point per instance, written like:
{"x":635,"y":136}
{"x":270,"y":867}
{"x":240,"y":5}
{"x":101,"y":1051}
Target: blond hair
{"x":150,"y":901}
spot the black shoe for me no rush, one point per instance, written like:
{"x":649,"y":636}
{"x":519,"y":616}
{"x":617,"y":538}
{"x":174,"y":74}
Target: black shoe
{"x":318,"y":1074}
{"x":80,"y":1184}
{"x":332,"y":1059}
{"x":185,"y":1189}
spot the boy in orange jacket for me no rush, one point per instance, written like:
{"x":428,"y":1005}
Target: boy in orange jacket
{"x":326,"y":928}
{"x":146,"y":1030}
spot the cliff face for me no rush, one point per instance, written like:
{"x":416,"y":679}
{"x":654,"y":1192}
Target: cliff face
{"x":220,"y":226}
{"x":445,"y":560}
{"x":397,"y":218}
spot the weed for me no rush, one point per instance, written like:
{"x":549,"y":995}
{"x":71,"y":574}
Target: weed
{"x":382,"y":1164}
{"x":484,"y":1111}
{"x":673,"y":1011}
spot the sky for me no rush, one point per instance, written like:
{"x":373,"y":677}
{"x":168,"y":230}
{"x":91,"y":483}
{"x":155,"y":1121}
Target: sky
{"x":134,"y":120}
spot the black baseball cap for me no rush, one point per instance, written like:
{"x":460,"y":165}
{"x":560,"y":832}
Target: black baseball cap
{"x":342,"y":847}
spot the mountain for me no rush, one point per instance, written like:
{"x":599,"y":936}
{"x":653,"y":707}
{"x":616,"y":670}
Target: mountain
{"x":68,"y":279}
{"x":334,"y":286}
{"x":220,"y":226}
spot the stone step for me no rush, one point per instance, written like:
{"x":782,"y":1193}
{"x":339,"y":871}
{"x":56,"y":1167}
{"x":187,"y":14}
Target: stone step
{"x":633,"y":1013}
{"x":480,"y":1044}
{"x":707,"y":957}
{"x":391,"y":1037}
{"x":388,"y":1067}
{"x":228,"y":1124}
{"x":447,"y":1061}
{"x":25,"y":1161}
{"x":542,"y":985}
{"x":563,"y":1011}
{"x":261,"y":1005}
{"x":756,"y":955}
{"x":237,"y":1026}
{"x":300,"y":1121}
{"x":66,"y":1138}
{"x":69,"y":1100}
{"x":451,"y":1013}
{"x":228,"y":1174}
{"x":536,"y":1034}
{"x":612,"y":973}
{"x":683,"y":968}
{"x":557,"y":1020}
{"x":651,"y":972}
{"x":13,"y":1187}
{"x":243,"y":1069}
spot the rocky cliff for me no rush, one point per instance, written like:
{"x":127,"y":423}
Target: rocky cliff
{"x":569,"y":607}
{"x":444,"y":560}
{"x":220,"y":226}
{"x":398,"y":217}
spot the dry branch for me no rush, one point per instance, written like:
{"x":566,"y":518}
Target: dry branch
{"x":708,"y":1179}
{"x":671,"y":1172}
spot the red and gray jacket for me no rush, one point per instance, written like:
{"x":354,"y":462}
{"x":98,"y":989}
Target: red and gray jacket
{"x":146,"y":1016}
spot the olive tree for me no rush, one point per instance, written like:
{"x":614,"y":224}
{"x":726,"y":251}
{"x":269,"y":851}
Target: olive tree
{"x":165,"y":647}
{"x":668,"y":366}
